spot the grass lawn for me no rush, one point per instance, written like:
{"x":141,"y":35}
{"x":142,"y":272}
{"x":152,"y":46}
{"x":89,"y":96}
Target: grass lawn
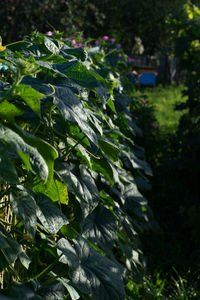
{"x":164,"y":100}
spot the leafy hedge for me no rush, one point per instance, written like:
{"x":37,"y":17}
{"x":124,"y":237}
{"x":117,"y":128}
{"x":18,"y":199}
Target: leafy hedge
{"x":71,"y":211}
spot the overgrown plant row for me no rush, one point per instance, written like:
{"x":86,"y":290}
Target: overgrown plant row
{"x":71,"y":212}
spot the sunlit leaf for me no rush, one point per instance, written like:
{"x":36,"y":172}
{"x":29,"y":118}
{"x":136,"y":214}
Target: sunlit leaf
{"x":30,"y":96}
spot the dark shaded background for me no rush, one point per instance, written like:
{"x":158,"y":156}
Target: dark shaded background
{"x":123,"y":19}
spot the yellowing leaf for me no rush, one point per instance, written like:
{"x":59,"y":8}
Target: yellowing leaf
{"x":56,"y":191}
{"x":2,"y":48}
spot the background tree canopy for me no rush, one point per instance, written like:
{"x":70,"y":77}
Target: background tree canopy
{"x":124,"y":19}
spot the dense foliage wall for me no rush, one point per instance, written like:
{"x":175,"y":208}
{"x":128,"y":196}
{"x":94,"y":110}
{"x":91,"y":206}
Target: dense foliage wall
{"x":71,"y":210}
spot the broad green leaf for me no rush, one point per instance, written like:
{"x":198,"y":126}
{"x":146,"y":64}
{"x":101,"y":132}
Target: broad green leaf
{"x":57,"y":68}
{"x":17,"y":46}
{"x":81,"y":152}
{"x":112,"y":58}
{"x":133,"y":261}
{"x":67,"y":253}
{"x":111,"y":104}
{"x":15,"y":141}
{"x":7,"y":170}
{"x":72,"y":110}
{"x":90,"y":191}
{"x":121,"y":102}
{"x":24,"y":206}
{"x":26,"y":159}
{"x":79,"y":53}
{"x":100,"y":228}
{"x":69,"y":232}
{"x":56,"y":190}
{"x":9,"y":111}
{"x":25,"y":260}
{"x":80,"y":74}
{"x":71,"y":290}
{"x":55,"y":291}
{"x":136,"y":206}
{"x":133,"y":127}
{"x":71,"y":181}
{"x":96,"y":122}
{"x":48,"y":152}
{"x":110,"y":149}
{"x":102,"y":166}
{"x":92,"y":273}
{"x":131,"y":161}
{"x":50,"y":45}
{"x":103,"y":94}
{"x":26,"y":291}
{"x":142,"y":182}
{"x":38,"y":85}
{"x":30,"y":96}
{"x":9,"y":251}
{"x":83,"y":186}
{"x":49,"y":215}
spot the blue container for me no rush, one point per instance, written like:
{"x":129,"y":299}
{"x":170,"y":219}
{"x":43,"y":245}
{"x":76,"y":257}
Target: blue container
{"x":147,"y":79}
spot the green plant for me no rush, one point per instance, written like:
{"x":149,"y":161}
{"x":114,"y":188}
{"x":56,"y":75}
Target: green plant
{"x":71,"y":213}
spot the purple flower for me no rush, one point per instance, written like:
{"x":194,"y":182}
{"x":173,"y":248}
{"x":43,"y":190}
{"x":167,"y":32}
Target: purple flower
{"x":130,"y":59}
{"x":144,"y":101}
{"x":49,"y":33}
{"x":82,"y":38}
{"x":105,"y":38}
{"x":96,"y":43}
{"x":118,"y":45}
{"x":112,"y":40}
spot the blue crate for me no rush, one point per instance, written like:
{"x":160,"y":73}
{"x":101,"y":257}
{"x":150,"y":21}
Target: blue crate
{"x":147,"y":79}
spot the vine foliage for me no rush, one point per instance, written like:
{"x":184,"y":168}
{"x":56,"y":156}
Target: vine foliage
{"x":71,"y":209}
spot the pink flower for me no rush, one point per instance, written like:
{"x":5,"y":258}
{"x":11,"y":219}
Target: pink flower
{"x":134,"y":72}
{"x":118,"y":45}
{"x":119,"y":55}
{"x":49,"y":33}
{"x":96,"y":43}
{"x":105,"y":38}
{"x":112,"y":40}
{"x":144,"y":101}
{"x":78,"y":45}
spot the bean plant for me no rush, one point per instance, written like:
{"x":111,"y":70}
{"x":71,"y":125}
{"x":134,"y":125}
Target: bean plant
{"x":71,"y":174}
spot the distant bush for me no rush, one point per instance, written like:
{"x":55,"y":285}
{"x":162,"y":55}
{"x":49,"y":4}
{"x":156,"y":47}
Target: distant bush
{"x":19,"y":18}
{"x":126,"y":20}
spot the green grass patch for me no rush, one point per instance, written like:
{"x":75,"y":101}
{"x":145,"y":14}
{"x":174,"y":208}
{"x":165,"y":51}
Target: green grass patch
{"x":164,"y":101}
